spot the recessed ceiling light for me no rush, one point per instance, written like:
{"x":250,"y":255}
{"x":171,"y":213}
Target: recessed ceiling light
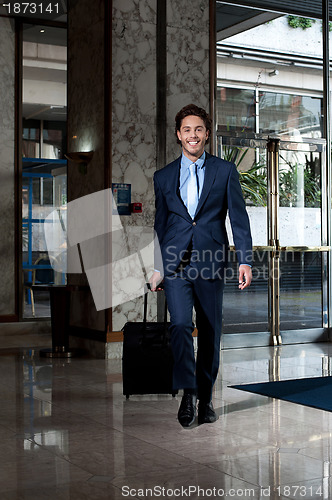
{"x":42,"y":31}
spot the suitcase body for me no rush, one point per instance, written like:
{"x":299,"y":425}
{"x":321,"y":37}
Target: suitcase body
{"x":147,"y":362}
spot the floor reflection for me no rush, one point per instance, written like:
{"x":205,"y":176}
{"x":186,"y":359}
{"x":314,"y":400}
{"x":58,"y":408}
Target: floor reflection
{"x":68,"y":432}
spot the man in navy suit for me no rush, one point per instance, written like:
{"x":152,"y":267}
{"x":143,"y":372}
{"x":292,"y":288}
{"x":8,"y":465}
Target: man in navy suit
{"x":193,"y":195}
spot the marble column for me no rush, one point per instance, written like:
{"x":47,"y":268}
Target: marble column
{"x":86,"y":127}
{"x":134,"y":100}
{"x":7,"y":184}
{"x":134,"y":123}
{"x":188,"y":79}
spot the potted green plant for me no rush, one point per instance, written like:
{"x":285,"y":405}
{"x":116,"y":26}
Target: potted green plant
{"x":253,"y":180}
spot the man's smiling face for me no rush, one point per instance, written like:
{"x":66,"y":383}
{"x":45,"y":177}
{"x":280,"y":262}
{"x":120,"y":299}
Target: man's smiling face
{"x":193,"y":136}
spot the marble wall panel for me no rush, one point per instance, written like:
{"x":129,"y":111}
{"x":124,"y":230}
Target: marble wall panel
{"x":187,"y":62}
{"x":131,"y":10}
{"x":134,"y":72}
{"x":134,"y":119}
{"x":134,"y":161}
{"x":134,"y":94}
{"x":193,"y":16}
{"x":7,"y":202}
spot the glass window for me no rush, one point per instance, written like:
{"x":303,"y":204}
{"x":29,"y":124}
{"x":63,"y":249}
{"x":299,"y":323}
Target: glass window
{"x":300,"y":290}
{"x":31,"y":139}
{"x":289,"y":115}
{"x":54,"y":138}
{"x":44,"y":169}
{"x":236,"y":109}
{"x":246,"y":312}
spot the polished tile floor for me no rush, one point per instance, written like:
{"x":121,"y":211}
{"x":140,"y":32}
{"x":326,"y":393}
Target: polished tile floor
{"x":67,"y":432}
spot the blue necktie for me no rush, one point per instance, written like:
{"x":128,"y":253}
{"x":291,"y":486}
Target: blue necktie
{"x":192,"y":191}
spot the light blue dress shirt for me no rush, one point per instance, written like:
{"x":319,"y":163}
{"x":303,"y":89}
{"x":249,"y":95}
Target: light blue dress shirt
{"x":184,"y":175}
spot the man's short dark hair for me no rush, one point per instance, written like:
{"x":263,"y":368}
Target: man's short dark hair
{"x":193,"y":110}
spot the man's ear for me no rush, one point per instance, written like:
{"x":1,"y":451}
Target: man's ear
{"x":178,"y":134}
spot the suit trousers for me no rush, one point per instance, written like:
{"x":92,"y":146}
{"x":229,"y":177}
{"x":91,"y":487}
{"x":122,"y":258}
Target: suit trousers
{"x":184,"y":291}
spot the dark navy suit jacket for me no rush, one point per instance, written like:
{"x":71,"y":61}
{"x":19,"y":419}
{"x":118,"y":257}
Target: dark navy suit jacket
{"x":176,"y":229}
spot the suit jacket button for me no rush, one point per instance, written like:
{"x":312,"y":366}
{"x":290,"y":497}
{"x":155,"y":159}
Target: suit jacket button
{"x":194,"y":223}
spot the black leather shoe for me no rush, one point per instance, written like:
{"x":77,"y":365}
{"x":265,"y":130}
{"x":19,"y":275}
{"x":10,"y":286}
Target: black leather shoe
{"x":187,"y":410}
{"x":206,"y":413}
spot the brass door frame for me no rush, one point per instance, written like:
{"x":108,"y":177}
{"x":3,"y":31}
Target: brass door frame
{"x":273,"y":145}
{"x":273,"y":238}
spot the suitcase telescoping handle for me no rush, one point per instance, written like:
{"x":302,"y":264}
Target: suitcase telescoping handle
{"x":145,"y":313}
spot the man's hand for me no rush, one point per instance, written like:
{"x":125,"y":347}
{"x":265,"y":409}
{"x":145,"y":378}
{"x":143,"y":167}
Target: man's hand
{"x":245,"y":276}
{"x":155,"y":280}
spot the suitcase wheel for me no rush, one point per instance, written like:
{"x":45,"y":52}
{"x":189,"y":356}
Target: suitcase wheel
{"x":173,"y":394}
{"x":127,"y":396}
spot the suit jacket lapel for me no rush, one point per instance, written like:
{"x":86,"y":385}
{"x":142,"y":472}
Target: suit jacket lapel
{"x":209,"y":176}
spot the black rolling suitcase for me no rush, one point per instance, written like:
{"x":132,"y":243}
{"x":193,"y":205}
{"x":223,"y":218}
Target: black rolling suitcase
{"x":147,"y":361}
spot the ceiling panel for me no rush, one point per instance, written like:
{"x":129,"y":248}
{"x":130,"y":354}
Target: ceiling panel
{"x":44,"y":112}
{"x":304,"y":8}
{"x":233,"y":19}
{"x":44,"y":34}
